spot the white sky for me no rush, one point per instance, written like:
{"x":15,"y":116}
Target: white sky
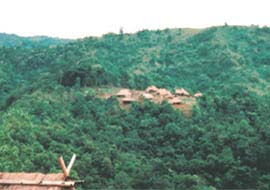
{"x":80,"y":18}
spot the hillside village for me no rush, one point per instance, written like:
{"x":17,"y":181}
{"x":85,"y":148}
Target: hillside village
{"x":83,"y":98}
{"x":181,"y":99}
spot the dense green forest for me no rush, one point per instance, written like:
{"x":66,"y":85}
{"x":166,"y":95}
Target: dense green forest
{"x":48,"y":107}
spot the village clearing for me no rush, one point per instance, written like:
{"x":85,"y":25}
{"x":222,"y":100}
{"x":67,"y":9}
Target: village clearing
{"x":180,"y":99}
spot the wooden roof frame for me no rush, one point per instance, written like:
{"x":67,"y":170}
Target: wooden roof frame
{"x":37,"y":183}
{"x":66,"y":170}
{"x":55,"y":183}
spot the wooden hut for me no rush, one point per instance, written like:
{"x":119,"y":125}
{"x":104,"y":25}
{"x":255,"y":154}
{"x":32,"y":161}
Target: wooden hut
{"x":147,"y":96}
{"x":175,"y":101}
{"x":198,"y":94}
{"x":123,"y":93}
{"x":128,"y":100}
{"x":164,"y":92}
{"x":181,"y":92}
{"x":38,"y":181}
{"x":151,"y":89}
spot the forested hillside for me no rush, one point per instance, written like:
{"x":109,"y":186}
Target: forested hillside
{"x":48,"y":107}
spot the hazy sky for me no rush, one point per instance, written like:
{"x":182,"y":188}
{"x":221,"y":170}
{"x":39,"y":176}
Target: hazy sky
{"x":80,"y":18}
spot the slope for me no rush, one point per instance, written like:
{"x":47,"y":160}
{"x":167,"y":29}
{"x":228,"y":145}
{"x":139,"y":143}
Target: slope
{"x":44,"y":110}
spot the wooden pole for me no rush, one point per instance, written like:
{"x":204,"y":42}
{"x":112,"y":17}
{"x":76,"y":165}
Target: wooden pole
{"x":71,"y":163}
{"x":63,"y":166}
{"x":66,"y":170}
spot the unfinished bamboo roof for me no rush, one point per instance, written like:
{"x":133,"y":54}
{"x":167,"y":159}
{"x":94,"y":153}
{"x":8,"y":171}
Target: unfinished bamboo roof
{"x":33,"y":181}
{"x":38,"y":181}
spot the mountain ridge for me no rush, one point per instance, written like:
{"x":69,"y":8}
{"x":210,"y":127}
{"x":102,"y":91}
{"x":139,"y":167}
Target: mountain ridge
{"x":11,"y":40}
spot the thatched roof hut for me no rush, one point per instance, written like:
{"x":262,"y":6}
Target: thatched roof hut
{"x":128,"y":100}
{"x":198,"y":94}
{"x":181,"y":92}
{"x":147,"y":96}
{"x":164,"y":92}
{"x":152,"y":89}
{"x":175,"y":101}
{"x":124,"y":93}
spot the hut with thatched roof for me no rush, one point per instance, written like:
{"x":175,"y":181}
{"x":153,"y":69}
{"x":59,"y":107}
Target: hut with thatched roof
{"x":198,"y":94}
{"x":175,"y":101}
{"x":147,"y":96}
{"x":151,"y":89}
{"x":164,"y":92}
{"x":123,"y":93}
{"x":128,"y":100}
{"x":181,"y":92}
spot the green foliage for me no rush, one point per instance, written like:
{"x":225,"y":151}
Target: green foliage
{"x":48,"y":107}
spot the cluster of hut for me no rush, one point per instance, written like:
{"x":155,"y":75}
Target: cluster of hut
{"x":157,"y":95}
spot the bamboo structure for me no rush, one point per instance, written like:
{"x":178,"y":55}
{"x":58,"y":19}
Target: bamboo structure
{"x":39,"y":181}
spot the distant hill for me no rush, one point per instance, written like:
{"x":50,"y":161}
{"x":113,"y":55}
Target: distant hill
{"x":12,"y":40}
{"x":195,"y":59}
{"x":216,"y":58}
